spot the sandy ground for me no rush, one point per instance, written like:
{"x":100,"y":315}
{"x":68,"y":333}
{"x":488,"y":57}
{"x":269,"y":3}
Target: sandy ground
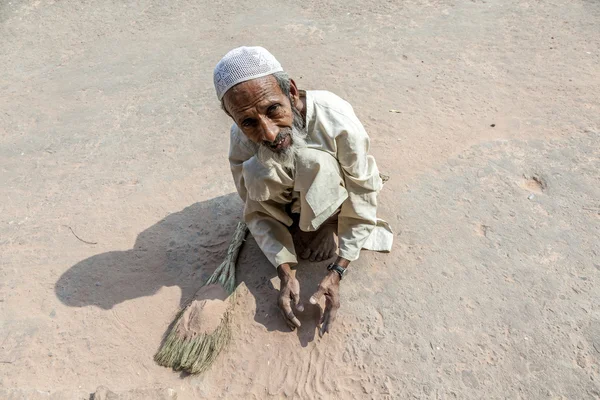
{"x":109,"y":129}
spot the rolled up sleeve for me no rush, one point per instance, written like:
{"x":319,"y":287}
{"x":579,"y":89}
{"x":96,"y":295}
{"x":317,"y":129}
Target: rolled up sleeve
{"x":264,"y":218}
{"x":358,"y":214}
{"x":271,"y":235}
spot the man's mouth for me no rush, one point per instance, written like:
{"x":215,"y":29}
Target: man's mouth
{"x":282,"y":143}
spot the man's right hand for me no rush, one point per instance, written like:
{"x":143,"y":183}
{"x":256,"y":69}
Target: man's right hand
{"x":289,"y":293}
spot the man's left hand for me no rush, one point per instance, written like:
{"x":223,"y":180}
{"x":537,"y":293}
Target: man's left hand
{"x":330,"y":288}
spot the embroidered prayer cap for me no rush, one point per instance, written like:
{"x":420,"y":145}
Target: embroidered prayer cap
{"x":241,"y":65}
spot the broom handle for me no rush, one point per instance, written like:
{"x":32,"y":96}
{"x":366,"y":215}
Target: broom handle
{"x":232,"y":253}
{"x":237,"y":241}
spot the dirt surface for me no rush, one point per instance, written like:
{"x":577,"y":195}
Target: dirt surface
{"x":110,"y":133}
{"x":103,"y":393}
{"x":205,"y":313}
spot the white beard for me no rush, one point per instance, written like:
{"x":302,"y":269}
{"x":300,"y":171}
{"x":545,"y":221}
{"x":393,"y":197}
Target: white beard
{"x":287,"y":157}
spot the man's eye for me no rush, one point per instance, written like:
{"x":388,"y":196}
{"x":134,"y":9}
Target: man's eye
{"x":274,"y":109}
{"x":247,"y":123}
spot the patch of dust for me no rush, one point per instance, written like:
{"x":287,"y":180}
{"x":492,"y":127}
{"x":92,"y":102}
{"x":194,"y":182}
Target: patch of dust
{"x":534,"y":183}
{"x":103,"y":393}
{"x":205,"y":313}
{"x":482,"y":230}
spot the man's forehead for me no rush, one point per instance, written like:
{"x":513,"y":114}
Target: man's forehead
{"x":252,"y":91}
{"x":265,"y":83}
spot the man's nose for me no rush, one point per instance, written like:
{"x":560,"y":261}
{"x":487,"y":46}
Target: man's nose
{"x":270,"y":129}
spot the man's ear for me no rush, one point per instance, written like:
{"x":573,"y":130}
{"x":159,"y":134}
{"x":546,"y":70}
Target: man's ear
{"x":294,"y":92}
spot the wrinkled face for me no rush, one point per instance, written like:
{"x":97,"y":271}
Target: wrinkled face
{"x":263,"y":112}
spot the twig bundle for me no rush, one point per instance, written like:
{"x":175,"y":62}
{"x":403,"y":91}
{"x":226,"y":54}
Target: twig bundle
{"x":195,"y":354}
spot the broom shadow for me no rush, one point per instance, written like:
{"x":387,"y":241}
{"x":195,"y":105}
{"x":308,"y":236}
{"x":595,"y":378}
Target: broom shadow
{"x":183,"y":249}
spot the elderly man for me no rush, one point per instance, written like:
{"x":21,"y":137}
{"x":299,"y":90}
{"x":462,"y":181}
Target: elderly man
{"x":300,"y":163}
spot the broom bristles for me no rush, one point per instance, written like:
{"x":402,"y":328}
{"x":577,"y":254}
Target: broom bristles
{"x":196,"y":354}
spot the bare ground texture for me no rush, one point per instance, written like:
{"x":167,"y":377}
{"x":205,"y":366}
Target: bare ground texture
{"x":116,"y":201}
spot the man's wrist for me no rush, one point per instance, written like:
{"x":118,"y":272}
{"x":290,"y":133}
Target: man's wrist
{"x":338,"y":268}
{"x":342,"y":262}
{"x":335,"y":276}
{"x":284,"y":271}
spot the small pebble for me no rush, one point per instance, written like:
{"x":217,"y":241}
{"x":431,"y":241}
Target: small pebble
{"x":493,"y":125}
{"x":98,"y":284}
{"x":531,"y":196}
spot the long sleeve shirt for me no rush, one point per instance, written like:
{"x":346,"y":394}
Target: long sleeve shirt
{"x":333,"y":172}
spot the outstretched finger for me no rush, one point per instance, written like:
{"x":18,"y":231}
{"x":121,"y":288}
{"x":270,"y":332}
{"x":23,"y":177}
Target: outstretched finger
{"x":324,"y":323}
{"x":287,"y":321}
{"x":296,"y":298}
{"x":328,"y":321}
{"x":331,"y":309}
{"x":286,"y":310}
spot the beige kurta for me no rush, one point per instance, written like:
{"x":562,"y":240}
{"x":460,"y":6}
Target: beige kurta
{"x":333,"y":172}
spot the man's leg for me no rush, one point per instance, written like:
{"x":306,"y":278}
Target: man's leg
{"x":318,"y":245}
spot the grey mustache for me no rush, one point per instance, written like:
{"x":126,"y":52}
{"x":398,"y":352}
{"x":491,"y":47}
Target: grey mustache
{"x":280,"y":136}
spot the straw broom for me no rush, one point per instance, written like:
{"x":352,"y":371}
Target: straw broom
{"x":195,"y":355}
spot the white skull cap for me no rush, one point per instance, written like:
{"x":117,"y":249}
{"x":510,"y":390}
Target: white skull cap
{"x":241,"y":65}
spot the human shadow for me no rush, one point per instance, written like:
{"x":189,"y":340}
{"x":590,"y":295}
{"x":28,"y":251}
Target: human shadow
{"x":183,"y":249}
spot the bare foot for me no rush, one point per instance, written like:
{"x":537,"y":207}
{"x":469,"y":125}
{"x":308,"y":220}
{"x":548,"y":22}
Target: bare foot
{"x":322,"y":244}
